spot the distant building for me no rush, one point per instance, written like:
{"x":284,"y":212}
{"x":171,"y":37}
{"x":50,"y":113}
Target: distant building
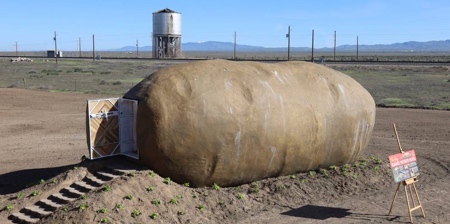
{"x":166,"y":34}
{"x":51,"y":54}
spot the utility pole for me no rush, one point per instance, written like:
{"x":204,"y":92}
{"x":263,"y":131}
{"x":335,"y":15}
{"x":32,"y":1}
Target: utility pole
{"x":288,"y":35}
{"x":137,"y":48}
{"x":234,"y":54}
{"x":334,"y":54}
{"x":79,"y":46}
{"x":56,"y":49}
{"x":16,"y":48}
{"x":312,"y":47}
{"x":357,"y":47}
{"x":93,"y":47}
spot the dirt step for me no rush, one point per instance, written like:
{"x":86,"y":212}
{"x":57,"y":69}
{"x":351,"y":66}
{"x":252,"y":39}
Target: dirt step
{"x":85,"y":185}
{"x":95,"y":180}
{"x":63,"y":198}
{"x":50,"y":203}
{"x":40,"y":212}
{"x":74,"y":191}
{"x":22,"y":218}
{"x":122,"y":171}
{"x":110,"y":176}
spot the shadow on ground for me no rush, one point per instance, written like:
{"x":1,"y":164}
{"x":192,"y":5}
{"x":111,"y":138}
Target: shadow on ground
{"x":323,"y":213}
{"x":18,"y":180}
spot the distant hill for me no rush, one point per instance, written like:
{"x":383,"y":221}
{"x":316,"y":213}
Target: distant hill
{"x":209,"y":46}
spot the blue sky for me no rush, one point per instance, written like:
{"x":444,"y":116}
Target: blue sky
{"x":261,"y":23}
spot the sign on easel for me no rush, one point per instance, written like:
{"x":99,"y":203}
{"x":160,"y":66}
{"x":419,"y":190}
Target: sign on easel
{"x":404,"y":165}
{"x":405,"y":170}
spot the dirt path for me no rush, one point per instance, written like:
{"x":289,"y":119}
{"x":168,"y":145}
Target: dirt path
{"x":43,"y":134}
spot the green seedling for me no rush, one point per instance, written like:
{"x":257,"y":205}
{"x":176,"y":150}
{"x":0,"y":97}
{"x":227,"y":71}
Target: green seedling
{"x":377,"y":168}
{"x":215,"y":186}
{"x":75,"y":167}
{"x":102,"y":210}
{"x":186,"y":184}
{"x":107,"y":188}
{"x":312,"y":173}
{"x":181,"y":212}
{"x":379,"y":161}
{"x":346,"y":167}
{"x":292,"y":176}
{"x":303,"y":181}
{"x":333,"y":167}
{"x":149,"y":189}
{"x":255,"y":184}
{"x":179,"y":196}
{"x":372,"y":157}
{"x":132,"y":174}
{"x":42,"y":181}
{"x":65,"y":209}
{"x":201,"y":207}
{"x":345,"y":173}
{"x":240,"y":196}
{"x":281,"y":187}
{"x":35,"y":193}
{"x":363,"y":162}
{"x":136,"y":213}
{"x":221,"y":202}
{"x":156,"y":202}
{"x":357,"y":164}
{"x":19,"y":195}
{"x":154,"y":215}
{"x":129,"y":197}
{"x":152,"y":173}
{"x":84,"y":197}
{"x":195,"y":195}
{"x":324,"y":172}
{"x":255,"y":190}
{"x":355,"y":175}
{"x":8,"y":208}
{"x":120,"y":206}
{"x":104,"y":220}
{"x":173,"y":201}
{"x":167,"y":180}
{"x":205,"y":193}
{"x":83,"y":207}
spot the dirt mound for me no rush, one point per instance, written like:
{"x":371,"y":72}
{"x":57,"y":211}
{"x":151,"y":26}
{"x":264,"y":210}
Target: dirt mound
{"x":141,"y":195}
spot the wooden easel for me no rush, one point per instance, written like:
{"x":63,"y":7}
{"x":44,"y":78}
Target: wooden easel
{"x":407,"y":185}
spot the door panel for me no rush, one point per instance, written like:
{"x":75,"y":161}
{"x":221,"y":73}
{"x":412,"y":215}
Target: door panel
{"x":111,"y":128}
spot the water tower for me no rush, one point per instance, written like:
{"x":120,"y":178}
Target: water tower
{"x":166,"y":34}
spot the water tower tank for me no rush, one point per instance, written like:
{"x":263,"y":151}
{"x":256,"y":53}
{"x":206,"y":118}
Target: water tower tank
{"x":166,"y":34}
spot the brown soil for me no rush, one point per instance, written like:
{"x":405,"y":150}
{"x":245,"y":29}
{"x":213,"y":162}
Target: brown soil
{"x":43,"y":137}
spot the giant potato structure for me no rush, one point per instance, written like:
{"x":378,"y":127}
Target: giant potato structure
{"x":231,"y":123}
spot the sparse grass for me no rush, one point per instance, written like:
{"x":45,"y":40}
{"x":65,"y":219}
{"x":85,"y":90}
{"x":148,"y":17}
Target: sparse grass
{"x":391,"y":85}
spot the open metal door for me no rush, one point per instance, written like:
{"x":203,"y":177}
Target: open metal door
{"x":111,"y":127}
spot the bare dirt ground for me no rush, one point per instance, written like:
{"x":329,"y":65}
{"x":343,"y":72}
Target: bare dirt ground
{"x":43,"y":137}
